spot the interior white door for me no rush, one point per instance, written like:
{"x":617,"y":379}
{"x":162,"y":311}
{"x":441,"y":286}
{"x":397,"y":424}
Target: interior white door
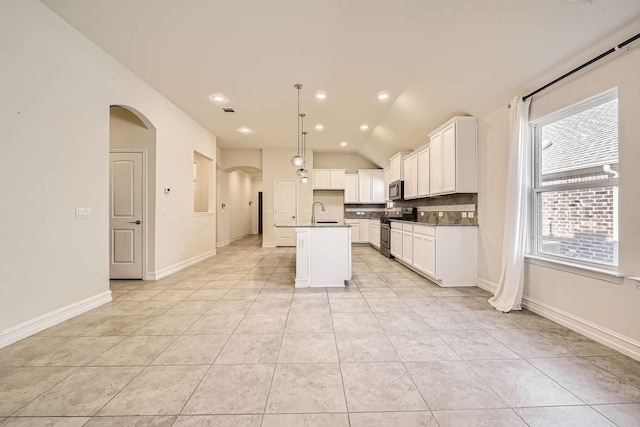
{"x":285,"y":211}
{"x":125,"y":215}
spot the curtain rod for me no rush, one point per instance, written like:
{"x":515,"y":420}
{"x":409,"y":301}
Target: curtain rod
{"x":586,"y":64}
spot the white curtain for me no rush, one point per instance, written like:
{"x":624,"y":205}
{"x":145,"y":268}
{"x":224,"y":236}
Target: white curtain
{"x":509,"y":293}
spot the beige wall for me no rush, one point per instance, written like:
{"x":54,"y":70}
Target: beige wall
{"x":333,"y":202}
{"x":222,"y":198}
{"x":256,"y":187}
{"x":493,"y":152}
{"x":276,"y":164}
{"x":349,"y":161}
{"x":57,"y":87}
{"x":239,"y":210}
{"x":599,"y":308}
{"x":126,"y":130}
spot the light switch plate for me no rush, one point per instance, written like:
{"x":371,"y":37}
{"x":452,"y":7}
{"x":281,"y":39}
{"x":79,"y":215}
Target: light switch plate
{"x":83,"y":213}
{"x":440,"y":214}
{"x":464,"y":214}
{"x":471,"y":214}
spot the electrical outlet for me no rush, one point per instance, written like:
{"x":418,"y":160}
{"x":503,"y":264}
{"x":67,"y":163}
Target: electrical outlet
{"x":163,"y":212}
{"x":440,"y":214}
{"x":471,"y":214}
{"x":421,"y":213}
{"x":464,"y":214}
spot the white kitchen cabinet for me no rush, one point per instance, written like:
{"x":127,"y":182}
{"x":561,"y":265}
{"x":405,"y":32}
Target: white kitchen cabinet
{"x":355,"y":229}
{"x":423,"y":171}
{"x":396,"y":239}
{"x":453,"y":151}
{"x":386,"y":183}
{"x":351,"y":188}
{"x":323,"y":256}
{"x":371,"y":186}
{"x":328,"y":179}
{"x":407,"y":243}
{"x":411,"y":176}
{"x":365,"y":233}
{"x":424,"y":249}
{"x":396,"y":167}
{"x":445,"y":254}
{"x":374,"y":233}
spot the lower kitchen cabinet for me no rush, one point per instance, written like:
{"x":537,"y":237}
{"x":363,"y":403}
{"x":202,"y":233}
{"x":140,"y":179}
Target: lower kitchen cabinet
{"x":407,"y":243}
{"x":355,"y":229}
{"x":374,"y":233}
{"x":364,"y":231}
{"x":396,"y":239}
{"x":424,"y":249}
{"x":445,"y":254}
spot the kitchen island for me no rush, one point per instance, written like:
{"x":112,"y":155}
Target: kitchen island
{"x":323,"y":255}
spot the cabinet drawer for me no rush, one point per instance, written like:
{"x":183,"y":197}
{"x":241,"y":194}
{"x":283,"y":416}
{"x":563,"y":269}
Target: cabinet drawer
{"x":407,"y":227}
{"x":424,"y":230}
{"x":396,"y":225}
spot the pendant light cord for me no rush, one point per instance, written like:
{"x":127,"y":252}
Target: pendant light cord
{"x":298,"y":86}
{"x":303,"y":133}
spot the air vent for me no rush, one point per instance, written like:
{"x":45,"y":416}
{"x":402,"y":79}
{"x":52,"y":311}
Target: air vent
{"x":228,"y":110}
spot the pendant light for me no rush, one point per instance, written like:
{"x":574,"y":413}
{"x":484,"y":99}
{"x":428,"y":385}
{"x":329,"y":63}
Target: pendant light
{"x":297,"y":161}
{"x":304,"y":178}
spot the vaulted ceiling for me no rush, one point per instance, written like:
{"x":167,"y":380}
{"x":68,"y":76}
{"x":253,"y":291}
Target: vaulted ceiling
{"x":434,"y":58}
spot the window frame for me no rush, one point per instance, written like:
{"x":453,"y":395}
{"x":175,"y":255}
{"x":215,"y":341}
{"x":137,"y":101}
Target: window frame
{"x":537,"y":189}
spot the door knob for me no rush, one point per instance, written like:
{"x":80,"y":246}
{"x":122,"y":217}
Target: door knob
{"x":135,"y":222}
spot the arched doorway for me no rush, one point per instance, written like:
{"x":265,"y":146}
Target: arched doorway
{"x":132,"y":171}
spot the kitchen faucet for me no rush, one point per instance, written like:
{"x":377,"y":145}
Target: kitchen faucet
{"x":313,"y":212}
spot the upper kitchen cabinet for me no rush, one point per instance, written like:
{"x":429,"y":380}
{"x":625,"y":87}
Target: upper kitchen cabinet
{"x":351,"y":188}
{"x":423,"y":157}
{"x":452,"y":162}
{"x":328,"y":179}
{"x":410,"y":171}
{"x":387,"y":171}
{"x":371,"y":186}
{"x":396,"y":166}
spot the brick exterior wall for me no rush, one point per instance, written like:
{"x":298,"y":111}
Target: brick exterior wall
{"x":579,"y":224}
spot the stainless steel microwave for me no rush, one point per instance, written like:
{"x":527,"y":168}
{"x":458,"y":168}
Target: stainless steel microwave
{"x":396,"y":190}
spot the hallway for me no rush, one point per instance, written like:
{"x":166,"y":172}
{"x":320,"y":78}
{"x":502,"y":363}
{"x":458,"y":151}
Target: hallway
{"x":230,"y":342}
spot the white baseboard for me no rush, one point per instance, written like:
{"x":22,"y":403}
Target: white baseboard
{"x":487,"y":285}
{"x":222,"y":244}
{"x":268,"y":245}
{"x":33,"y":326}
{"x":233,"y":239}
{"x":157,"y":275}
{"x":611,"y":339}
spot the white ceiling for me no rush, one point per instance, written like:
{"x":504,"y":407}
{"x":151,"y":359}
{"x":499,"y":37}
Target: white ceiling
{"x":435,"y":58}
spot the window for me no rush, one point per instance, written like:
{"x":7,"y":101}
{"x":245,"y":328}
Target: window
{"x":575,"y":191}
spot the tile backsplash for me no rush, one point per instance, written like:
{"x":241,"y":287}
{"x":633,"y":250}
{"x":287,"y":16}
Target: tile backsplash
{"x":458,"y":209}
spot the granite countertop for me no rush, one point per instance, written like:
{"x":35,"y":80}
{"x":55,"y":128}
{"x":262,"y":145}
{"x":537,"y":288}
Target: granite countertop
{"x":434,"y":225}
{"x":317,"y":225}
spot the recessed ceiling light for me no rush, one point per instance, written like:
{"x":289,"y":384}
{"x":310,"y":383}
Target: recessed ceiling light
{"x":383,"y":96}
{"x":364,"y":126}
{"x":321,"y":95}
{"x":218,"y":98}
{"x":245,"y":130}
{"x":319,"y":126}
{"x":343,"y":144}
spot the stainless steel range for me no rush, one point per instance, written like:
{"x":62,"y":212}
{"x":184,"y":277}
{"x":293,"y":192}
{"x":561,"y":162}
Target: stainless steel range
{"x":407,"y":214}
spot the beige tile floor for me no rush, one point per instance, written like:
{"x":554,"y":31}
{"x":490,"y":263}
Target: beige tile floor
{"x":229,"y":342}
